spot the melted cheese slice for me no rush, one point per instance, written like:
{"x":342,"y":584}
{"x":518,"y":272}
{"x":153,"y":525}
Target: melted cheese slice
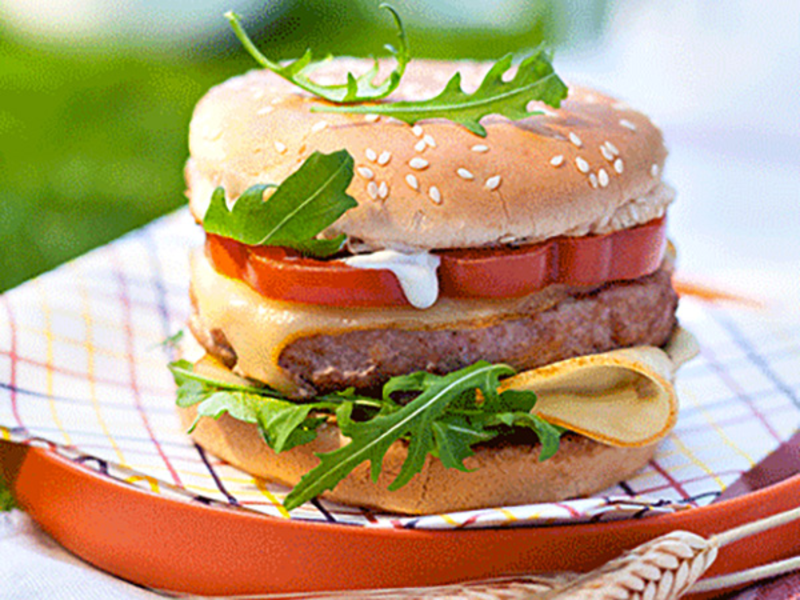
{"x":259,"y":328}
{"x":621,"y":398}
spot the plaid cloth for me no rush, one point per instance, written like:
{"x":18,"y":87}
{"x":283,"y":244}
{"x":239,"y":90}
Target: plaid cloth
{"x":82,"y":372}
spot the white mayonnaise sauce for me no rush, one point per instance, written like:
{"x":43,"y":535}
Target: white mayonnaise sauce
{"x":416,"y":272}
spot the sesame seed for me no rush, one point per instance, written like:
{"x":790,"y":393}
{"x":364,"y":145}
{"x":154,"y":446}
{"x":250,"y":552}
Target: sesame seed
{"x":557,"y":160}
{"x":621,"y":106}
{"x":582,"y":165}
{"x":480,"y":148}
{"x":593,"y":180}
{"x":280,"y":147}
{"x":493,"y":182}
{"x":383,"y":190}
{"x":420,"y":146}
{"x":575,"y":139}
{"x":618,"y":165}
{"x":276,"y":101}
{"x":371,"y":154}
{"x":265,"y":111}
{"x":416,"y":130}
{"x":607,"y":154}
{"x":371,"y":118}
{"x":654,"y":170}
{"x":418,"y":163}
{"x":602,"y":178}
{"x":627,"y":124}
{"x":429,"y":140}
{"x":384,"y":158}
{"x":258,"y":94}
{"x":507,"y":239}
{"x":412,"y":182}
{"x":319,"y":126}
{"x":365,"y":172}
{"x":435,"y":194}
{"x":372,"y":190}
{"x":612,"y":148}
{"x":464,"y":174}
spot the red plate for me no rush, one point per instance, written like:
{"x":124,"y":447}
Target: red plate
{"x":185,"y":547}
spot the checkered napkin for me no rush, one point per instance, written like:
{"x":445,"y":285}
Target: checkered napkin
{"x":82,"y":372}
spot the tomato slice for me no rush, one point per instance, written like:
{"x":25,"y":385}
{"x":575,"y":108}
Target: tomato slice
{"x":587,"y":260}
{"x":283,"y":274}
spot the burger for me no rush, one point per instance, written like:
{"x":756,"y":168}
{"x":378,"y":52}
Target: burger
{"x":370,"y":362}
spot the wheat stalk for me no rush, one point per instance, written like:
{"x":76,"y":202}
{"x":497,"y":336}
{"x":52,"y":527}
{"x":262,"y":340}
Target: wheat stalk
{"x":663,"y":569}
{"x":520,"y":587}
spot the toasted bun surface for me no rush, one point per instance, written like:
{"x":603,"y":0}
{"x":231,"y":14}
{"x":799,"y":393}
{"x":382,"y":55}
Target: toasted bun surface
{"x":592,"y":166}
{"x":505,"y":475}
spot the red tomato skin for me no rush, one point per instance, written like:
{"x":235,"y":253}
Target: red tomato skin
{"x":490,"y":273}
{"x":283,"y":274}
{"x":578,"y":261}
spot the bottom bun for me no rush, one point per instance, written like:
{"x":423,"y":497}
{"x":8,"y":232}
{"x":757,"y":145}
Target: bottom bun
{"x":504,"y":474}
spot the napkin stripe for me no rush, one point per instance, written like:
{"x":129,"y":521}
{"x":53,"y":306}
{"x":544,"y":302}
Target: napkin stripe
{"x":262,"y":487}
{"x":325,"y":513}
{"x":12,"y":355}
{"x":670,"y":479}
{"x":217,"y":481}
{"x":48,"y":336}
{"x":732,"y":384}
{"x":127,"y":326}
{"x":59,"y":370}
{"x":157,"y":281}
{"x":16,"y":390}
{"x":88,"y":321}
{"x":739,"y":338}
{"x":686,"y":481}
{"x":688,"y":453}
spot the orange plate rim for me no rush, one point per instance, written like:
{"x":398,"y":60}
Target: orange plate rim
{"x":210,"y":550}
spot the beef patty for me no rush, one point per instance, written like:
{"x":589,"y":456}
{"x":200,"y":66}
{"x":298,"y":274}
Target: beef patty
{"x":618,"y":314}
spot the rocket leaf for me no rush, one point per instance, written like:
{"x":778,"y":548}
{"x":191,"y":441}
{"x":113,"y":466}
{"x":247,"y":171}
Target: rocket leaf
{"x":371,"y":439}
{"x":308,"y":201}
{"x":446,"y":419}
{"x":357,"y":89}
{"x":535,"y":79}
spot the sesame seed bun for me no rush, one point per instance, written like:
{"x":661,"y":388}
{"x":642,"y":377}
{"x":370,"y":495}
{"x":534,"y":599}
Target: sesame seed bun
{"x":592,"y":166}
{"x":500,"y":475}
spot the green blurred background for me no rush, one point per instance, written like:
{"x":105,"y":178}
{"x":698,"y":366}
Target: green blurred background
{"x":96,"y":95}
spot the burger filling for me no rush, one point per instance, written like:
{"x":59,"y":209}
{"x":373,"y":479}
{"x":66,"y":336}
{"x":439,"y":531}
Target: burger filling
{"x":319,"y":353}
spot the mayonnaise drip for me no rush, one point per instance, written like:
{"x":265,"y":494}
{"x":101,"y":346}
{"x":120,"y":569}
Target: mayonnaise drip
{"x":416,"y":272}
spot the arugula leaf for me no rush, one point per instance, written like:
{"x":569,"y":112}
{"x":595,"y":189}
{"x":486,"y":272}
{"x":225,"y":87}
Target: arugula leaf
{"x":308,"y":201}
{"x":549,"y":435}
{"x":455,"y":435}
{"x":283,"y":424}
{"x":371,"y":439}
{"x":357,"y":89}
{"x":170,"y":342}
{"x":535,"y":80}
{"x":450,"y":414}
{"x":183,"y":371}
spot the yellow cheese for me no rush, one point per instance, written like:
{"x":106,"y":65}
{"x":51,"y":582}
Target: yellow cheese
{"x":622,"y":398}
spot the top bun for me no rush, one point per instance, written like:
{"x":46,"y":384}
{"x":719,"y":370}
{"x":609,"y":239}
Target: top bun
{"x":593,"y":165}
